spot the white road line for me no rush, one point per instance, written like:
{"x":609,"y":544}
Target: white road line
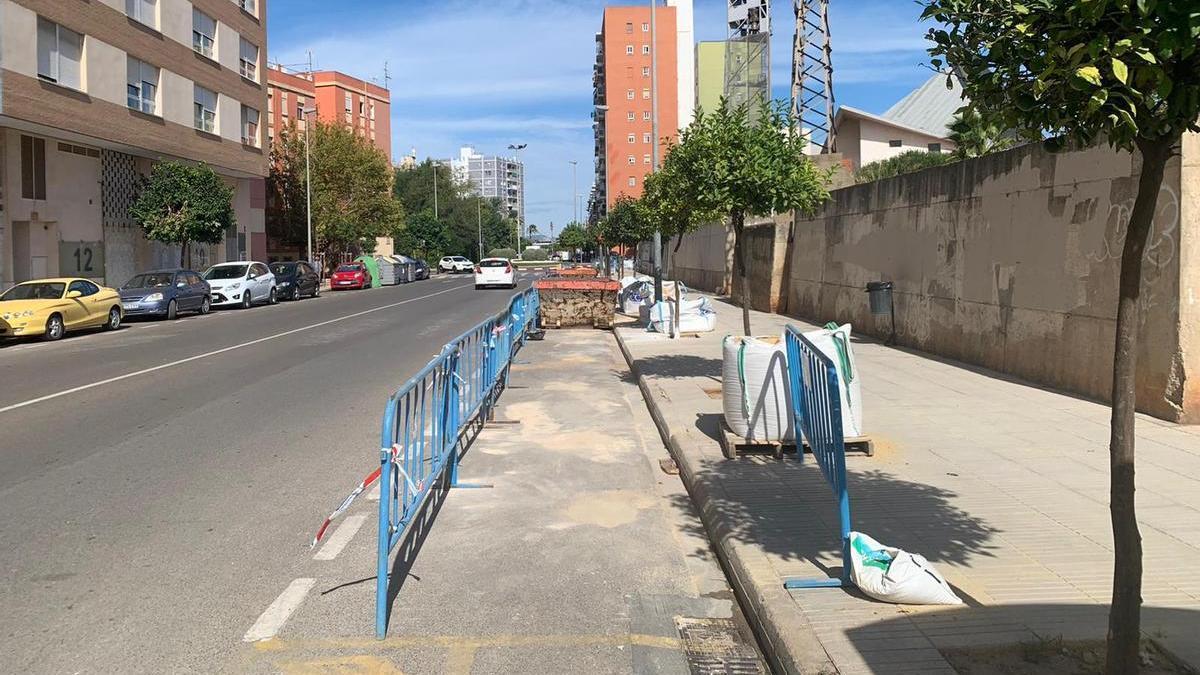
{"x":197,"y":357}
{"x":373,"y":495}
{"x":273,"y":618}
{"x":341,"y":536}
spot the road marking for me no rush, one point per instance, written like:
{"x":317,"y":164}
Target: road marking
{"x":373,"y":495}
{"x":341,"y":536}
{"x":277,"y":614}
{"x":197,"y":357}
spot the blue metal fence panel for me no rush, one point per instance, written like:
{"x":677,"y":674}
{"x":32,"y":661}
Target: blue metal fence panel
{"x":423,"y":420}
{"x":817,"y":410}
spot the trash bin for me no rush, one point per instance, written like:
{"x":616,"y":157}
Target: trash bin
{"x":880,"y":293}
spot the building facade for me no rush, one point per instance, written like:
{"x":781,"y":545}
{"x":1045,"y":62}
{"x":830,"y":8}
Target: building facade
{"x":92,"y":95}
{"x":336,"y":97}
{"x":919,"y":121}
{"x":710,"y":74}
{"x":491,"y":177}
{"x":623,"y":117}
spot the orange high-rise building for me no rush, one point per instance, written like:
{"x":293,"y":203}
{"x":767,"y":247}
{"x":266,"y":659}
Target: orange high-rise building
{"x":622,"y":95}
{"x":337,"y":97}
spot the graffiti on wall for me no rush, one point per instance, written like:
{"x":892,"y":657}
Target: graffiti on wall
{"x":1162,"y":245}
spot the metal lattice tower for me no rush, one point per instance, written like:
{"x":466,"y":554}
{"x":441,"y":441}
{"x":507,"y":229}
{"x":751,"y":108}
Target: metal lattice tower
{"x":748,"y":53}
{"x":812,"y":73}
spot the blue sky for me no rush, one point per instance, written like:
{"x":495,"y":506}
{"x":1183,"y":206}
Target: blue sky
{"x":493,"y":72}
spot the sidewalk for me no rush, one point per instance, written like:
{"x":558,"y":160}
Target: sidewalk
{"x":1002,"y":485}
{"x":581,"y":556}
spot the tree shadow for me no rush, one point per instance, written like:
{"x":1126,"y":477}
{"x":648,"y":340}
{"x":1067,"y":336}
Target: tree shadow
{"x":679,"y":365}
{"x":961,"y":633}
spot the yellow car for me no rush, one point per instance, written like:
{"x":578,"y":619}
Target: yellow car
{"x":51,"y":307}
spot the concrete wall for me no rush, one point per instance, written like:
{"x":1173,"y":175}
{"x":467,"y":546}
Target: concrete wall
{"x":1010,"y":261}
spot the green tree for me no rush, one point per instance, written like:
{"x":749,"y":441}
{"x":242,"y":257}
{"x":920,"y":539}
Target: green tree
{"x":183,"y":203}
{"x":975,"y":136}
{"x":905,"y":162}
{"x":573,"y":237}
{"x":352,"y":200}
{"x":1123,"y":72}
{"x":532,"y":253}
{"x":461,"y":214}
{"x":726,"y":163}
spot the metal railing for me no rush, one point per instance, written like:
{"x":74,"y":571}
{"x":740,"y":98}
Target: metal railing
{"x":817,"y":410}
{"x":424,"y":419}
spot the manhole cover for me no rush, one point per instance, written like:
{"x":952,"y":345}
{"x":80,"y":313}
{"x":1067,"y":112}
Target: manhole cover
{"x":715,"y":647}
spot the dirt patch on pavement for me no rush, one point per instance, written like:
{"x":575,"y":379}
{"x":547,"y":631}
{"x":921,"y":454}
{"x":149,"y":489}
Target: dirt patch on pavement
{"x":1051,"y":656}
{"x":613,"y":508}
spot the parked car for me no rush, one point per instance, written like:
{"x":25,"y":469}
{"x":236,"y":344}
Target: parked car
{"x":495,"y":272}
{"x":421,"y":271}
{"x":295,"y":280}
{"x":165,"y":293}
{"x":241,"y":284}
{"x":51,"y":307}
{"x":350,"y":275}
{"x":455,"y":264}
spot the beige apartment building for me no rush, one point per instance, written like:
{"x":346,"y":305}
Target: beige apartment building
{"x":92,"y":94}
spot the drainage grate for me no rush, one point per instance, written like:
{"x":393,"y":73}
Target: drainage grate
{"x":715,"y":647}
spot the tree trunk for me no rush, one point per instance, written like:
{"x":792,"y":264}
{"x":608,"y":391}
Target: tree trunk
{"x":1124,"y":617}
{"x":183,"y":254}
{"x":738,"y":219}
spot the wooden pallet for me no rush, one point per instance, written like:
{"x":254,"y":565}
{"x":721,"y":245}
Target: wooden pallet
{"x":733,"y":445}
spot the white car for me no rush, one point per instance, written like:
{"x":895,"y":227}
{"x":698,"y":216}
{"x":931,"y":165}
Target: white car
{"x":495,"y":272}
{"x":241,"y":284}
{"x":455,"y":264}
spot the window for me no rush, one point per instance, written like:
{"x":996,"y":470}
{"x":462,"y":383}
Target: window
{"x":645,"y":93}
{"x":79,"y":150}
{"x":205,"y":108}
{"x":645,"y":50}
{"x":85,"y":288}
{"x":283,"y":110}
{"x":630,"y":116}
{"x":142,"y":11}
{"x":646,"y":115}
{"x":248,"y":54}
{"x":629,"y":94}
{"x":632,"y":181}
{"x":645,"y":138}
{"x":632,"y":160}
{"x":645,"y":159}
{"x":362,"y":107}
{"x":645,"y":28}
{"x":300,"y":109}
{"x":629,"y":50}
{"x":204,"y":32}
{"x":645,"y":71}
{"x":33,"y":167}
{"x":249,"y":126}
{"x":894,"y":143}
{"x":270,"y":102}
{"x":141,"y":85}
{"x":628,"y":26}
{"x":59,"y":53}
{"x":935,"y":148}
{"x":632,"y":138}
{"x":371,"y":108}
{"x":349,"y":102}
{"x":247,"y":5}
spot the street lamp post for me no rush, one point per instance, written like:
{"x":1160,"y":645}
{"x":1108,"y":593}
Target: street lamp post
{"x":305,"y":112}
{"x":657,"y":253}
{"x":575,"y":188}
{"x":479,"y":224}
{"x":518,"y":147}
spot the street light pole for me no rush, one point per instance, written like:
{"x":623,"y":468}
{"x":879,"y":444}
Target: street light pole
{"x":305,"y":112}
{"x":657,"y":253}
{"x":518,"y":147}
{"x":479,"y":223}
{"x":575,"y":188}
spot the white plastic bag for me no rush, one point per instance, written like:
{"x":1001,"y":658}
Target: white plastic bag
{"x":755,"y":390}
{"x":892,"y":575}
{"x":836,"y":344}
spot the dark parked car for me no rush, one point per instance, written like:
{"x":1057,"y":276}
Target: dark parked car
{"x":296,"y":280}
{"x":165,"y":293}
{"x":421,"y":271}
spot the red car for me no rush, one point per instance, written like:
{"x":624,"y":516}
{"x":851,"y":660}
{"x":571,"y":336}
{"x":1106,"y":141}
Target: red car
{"x":350,"y":275}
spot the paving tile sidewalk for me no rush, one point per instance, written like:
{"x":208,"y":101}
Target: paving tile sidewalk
{"x":1001,"y":484}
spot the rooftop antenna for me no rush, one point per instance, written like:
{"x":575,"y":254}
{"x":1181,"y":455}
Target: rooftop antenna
{"x":812,"y":73}
{"x":386,"y":76}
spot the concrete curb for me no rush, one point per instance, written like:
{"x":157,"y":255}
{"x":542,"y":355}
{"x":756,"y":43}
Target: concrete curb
{"x":788,"y":641}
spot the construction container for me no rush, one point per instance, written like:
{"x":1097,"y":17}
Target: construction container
{"x":567,"y":302}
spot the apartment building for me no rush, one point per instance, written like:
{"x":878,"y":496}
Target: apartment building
{"x":623,"y":117}
{"x":92,"y":95}
{"x":336,"y":97}
{"x":491,"y":177}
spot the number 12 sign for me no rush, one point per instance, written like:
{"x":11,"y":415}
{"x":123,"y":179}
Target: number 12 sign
{"x":81,"y":258}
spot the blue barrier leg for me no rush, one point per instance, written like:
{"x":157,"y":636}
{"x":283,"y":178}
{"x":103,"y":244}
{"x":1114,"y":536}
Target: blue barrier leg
{"x":385,"y":530}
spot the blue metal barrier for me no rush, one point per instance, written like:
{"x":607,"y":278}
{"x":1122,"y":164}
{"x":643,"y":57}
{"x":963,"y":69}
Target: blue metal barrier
{"x":424,"y":419}
{"x":817,"y":410}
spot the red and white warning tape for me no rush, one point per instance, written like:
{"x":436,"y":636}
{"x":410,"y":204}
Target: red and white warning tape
{"x":366,"y":483}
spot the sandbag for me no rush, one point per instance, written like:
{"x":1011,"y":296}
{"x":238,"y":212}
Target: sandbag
{"x":695,"y":316}
{"x":703,"y":321}
{"x":834,"y":342}
{"x":892,"y":575}
{"x":755,"y":390}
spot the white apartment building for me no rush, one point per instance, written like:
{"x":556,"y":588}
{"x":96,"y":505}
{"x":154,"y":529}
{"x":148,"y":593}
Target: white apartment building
{"x":92,"y":95}
{"x":493,"y":177}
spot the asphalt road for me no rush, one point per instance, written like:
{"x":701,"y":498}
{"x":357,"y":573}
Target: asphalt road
{"x":157,"y":483}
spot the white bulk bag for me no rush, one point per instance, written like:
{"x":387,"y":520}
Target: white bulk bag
{"x":693,"y":313}
{"x":835,"y":343}
{"x":755,"y":389}
{"x":892,"y":575}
